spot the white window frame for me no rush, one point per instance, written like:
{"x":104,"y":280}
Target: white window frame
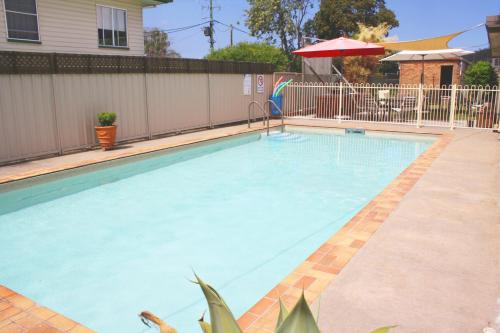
{"x":39,"y":40}
{"x":113,"y":26}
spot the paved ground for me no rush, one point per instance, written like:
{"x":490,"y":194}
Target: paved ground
{"x":434,"y":264}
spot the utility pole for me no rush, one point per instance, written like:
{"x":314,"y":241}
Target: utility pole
{"x":211,"y":26}
{"x":210,"y":31}
{"x":231,"y":35}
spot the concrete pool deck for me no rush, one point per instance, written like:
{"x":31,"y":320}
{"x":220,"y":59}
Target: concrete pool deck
{"x":425,"y":252}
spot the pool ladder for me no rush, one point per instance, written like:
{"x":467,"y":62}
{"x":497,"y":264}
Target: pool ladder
{"x":265,"y":114}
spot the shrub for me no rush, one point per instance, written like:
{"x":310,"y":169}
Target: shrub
{"x":106,"y":118}
{"x":481,"y":73}
{"x":252,"y":52}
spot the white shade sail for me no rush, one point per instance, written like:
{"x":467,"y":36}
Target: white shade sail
{"x":427,"y":55}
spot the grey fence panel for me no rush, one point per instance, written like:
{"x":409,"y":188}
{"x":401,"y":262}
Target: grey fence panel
{"x":227,"y":102}
{"x":80,"y":97}
{"x":43,"y":114}
{"x":177,"y":102}
{"x":27,"y":126}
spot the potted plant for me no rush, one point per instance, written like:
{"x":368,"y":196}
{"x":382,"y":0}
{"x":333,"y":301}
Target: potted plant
{"x":106,"y":132}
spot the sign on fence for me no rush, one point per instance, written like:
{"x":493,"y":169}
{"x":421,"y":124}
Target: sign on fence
{"x":260,"y":83}
{"x":247,"y":85}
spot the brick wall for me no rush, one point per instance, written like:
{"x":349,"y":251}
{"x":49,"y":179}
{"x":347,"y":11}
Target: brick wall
{"x":409,"y":71}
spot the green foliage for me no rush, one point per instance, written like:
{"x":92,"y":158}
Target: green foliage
{"x":156,"y":44}
{"x":253,"y":52}
{"x":106,"y":118}
{"x":279,"y":21}
{"x":481,"y":73}
{"x":299,"y":320}
{"x":338,"y":17}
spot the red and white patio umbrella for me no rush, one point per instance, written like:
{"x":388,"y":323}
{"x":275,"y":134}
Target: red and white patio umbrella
{"x":340,"y":47}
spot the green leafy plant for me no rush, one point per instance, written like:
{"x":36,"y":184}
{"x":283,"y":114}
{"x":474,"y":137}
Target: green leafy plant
{"x":253,"y":52}
{"x":106,"y":118}
{"x":299,"y":320}
{"x":480,"y":73}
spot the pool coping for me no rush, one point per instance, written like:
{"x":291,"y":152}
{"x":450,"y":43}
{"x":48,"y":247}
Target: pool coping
{"x":20,"y":314}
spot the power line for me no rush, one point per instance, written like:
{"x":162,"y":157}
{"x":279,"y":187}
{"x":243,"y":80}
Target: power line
{"x":173,"y":30}
{"x":235,"y":28}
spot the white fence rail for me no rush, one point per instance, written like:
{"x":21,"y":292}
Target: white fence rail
{"x":416,"y":105}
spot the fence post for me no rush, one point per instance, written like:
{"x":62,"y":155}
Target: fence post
{"x":420,"y":104}
{"x":209,"y":92}
{"x":146,"y":105}
{"x":340,"y":103}
{"x":57,"y":134}
{"x":453,"y":98}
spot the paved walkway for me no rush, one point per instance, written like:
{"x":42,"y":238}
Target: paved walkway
{"x":434,"y":264}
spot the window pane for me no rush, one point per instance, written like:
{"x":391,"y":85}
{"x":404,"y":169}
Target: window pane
{"x":107,"y":22}
{"x":22,"y":26}
{"x":119,"y":18}
{"x":24,"y":6}
{"x":122,"y":38}
{"x":107,"y":37}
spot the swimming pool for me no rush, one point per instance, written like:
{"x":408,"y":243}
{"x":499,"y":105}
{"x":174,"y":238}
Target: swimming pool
{"x":101,"y":245}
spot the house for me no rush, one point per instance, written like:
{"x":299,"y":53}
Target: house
{"x":74,"y":26}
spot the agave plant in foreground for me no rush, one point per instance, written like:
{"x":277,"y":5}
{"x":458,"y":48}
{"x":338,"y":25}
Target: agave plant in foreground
{"x":299,"y":320}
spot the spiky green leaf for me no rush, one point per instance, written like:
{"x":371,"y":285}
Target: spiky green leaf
{"x":300,"y":319}
{"x":282,"y":315}
{"x":221,"y":318}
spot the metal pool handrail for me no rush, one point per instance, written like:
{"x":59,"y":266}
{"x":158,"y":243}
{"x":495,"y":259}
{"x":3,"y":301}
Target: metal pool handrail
{"x":270,"y":101}
{"x":264,"y":114}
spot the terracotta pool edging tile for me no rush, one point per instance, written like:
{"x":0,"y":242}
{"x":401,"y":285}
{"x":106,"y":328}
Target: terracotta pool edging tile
{"x":20,"y":314}
{"x":322,"y":266}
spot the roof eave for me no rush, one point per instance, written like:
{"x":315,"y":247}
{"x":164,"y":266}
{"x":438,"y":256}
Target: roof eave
{"x":154,"y":3}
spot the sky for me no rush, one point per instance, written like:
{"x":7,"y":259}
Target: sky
{"x":417,"y":19}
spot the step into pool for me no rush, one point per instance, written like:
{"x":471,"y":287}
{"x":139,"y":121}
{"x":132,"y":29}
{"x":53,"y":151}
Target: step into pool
{"x":101,"y":244}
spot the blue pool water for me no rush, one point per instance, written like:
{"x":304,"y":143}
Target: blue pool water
{"x":102,"y":246}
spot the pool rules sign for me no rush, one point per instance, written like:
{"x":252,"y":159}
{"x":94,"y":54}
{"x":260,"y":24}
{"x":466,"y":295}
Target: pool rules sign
{"x":260,"y":83}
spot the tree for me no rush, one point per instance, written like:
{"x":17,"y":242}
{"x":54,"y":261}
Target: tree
{"x":156,"y":44}
{"x":336,"y":18}
{"x":253,"y":52}
{"x":358,"y":69}
{"x":279,"y":21}
{"x":481,"y":73}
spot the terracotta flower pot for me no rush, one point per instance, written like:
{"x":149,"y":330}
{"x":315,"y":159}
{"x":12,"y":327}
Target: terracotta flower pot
{"x":106,"y":136}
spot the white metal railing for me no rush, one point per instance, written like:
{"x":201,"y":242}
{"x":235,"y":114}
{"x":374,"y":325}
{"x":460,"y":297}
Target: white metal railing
{"x":416,"y":105}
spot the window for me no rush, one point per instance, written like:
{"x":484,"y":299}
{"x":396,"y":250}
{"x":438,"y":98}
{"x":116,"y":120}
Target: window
{"x":112,"y":26}
{"x":22,"y":20}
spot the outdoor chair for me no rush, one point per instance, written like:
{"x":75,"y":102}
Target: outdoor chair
{"x":408,"y":107}
{"x":367,"y":108}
